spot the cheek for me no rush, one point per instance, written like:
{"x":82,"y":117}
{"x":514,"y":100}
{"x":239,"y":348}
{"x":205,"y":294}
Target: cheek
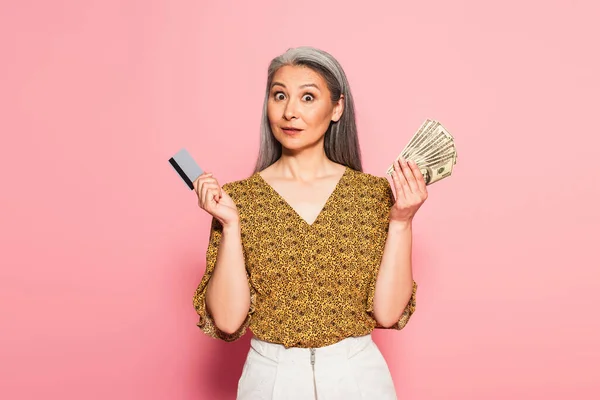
{"x":271,"y":111}
{"x":318,"y":116}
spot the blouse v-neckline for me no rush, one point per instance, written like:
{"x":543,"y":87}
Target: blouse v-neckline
{"x":289,"y":206}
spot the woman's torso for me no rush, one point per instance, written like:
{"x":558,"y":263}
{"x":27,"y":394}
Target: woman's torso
{"x":313,"y":284}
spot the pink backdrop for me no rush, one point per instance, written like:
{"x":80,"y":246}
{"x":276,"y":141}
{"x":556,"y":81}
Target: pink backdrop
{"x":103,"y":246}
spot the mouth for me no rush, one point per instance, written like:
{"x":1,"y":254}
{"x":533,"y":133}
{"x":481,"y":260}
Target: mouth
{"x":291,"y":131}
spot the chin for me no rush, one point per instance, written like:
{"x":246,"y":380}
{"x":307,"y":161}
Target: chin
{"x":283,"y":138}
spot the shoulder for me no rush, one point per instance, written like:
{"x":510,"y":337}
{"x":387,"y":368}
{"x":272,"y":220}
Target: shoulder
{"x":370,"y":181}
{"x":375,"y":191}
{"x":239,"y":189}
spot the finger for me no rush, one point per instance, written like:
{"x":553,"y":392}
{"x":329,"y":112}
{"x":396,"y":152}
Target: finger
{"x":402,"y":175}
{"x":198,"y":181}
{"x":198,"y":184}
{"x":209,"y":192}
{"x":213,"y":183}
{"x":397,"y":177}
{"x":410,"y":177}
{"x":419,"y":177}
{"x":203,"y":179}
{"x":204,"y":186}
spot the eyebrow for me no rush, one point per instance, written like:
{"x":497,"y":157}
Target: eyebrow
{"x":301,"y":87}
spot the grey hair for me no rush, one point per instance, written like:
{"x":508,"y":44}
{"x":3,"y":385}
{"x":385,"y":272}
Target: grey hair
{"x":341,"y":138}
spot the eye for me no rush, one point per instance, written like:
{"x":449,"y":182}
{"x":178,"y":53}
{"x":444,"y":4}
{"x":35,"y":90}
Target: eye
{"x":308,"y":97}
{"x":279,"y":96}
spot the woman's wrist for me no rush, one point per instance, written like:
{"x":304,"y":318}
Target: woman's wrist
{"x":400,"y":225}
{"x":232,"y":227}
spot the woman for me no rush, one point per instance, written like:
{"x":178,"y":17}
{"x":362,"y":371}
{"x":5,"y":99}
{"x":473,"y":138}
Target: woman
{"x":309,"y":253}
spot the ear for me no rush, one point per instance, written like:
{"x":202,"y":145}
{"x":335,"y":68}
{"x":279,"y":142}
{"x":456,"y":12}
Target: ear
{"x":338,"y":109}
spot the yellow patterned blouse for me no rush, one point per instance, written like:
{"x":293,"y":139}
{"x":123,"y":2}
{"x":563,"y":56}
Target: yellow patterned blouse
{"x":310,"y":285}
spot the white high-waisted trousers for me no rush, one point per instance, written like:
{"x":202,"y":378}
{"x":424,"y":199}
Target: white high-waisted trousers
{"x":351,"y":369}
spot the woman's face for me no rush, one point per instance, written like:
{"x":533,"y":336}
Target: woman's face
{"x":300,"y":107}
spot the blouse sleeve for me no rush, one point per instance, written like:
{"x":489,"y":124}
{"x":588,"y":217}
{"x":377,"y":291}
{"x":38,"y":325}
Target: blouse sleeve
{"x":206,"y":322}
{"x":388,"y":202}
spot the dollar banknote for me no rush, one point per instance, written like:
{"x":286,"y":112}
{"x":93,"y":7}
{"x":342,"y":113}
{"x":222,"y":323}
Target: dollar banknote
{"x":432,"y":148}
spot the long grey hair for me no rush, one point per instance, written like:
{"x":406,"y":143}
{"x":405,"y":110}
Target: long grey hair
{"x":341,"y":139}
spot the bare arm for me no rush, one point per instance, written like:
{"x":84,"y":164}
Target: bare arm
{"x":224,"y":292}
{"x":394,"y":284}
{"x":228,"y":291}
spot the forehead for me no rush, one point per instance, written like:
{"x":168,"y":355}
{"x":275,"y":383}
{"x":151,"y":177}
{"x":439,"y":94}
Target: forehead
{"x":294,"y":76}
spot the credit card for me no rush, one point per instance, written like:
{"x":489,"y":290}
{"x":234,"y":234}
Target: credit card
{"x":187,"y":168}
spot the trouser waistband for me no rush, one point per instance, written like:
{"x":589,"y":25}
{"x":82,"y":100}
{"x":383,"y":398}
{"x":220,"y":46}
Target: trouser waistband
{"x":345,"y":348}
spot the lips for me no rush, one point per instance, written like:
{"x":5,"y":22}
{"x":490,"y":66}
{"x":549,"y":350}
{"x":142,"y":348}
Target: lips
{"x":291,"y":131}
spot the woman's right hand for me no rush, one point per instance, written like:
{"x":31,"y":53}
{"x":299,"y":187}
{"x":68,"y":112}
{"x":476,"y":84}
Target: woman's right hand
{"x":214,"y":200}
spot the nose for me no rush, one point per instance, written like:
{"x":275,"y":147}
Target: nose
{"x":290,"y":111}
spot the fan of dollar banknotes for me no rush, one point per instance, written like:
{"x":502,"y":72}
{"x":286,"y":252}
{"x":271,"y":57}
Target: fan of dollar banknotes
{"x":432,"y":149}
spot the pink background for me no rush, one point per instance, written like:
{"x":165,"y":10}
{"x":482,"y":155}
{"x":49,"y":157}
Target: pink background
{"x":103,"y":246}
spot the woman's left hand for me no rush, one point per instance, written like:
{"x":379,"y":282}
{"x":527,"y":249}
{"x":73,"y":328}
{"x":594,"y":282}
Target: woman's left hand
{"x":410,"y":188}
